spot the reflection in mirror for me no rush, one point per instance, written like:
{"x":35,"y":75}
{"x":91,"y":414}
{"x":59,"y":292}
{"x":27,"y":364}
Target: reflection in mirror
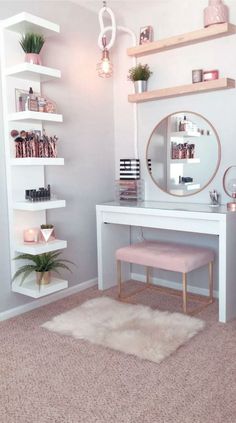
{"x":183,"y":153}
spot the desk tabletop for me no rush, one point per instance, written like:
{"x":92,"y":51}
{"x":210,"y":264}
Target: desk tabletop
{"x":190,"y":207}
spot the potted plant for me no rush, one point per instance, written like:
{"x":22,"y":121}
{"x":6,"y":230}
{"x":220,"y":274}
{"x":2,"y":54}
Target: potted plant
{"x":46,"y":231}
{"x":32,"y":44}
{"x":42,"y":265}
{"x":140,"y":75}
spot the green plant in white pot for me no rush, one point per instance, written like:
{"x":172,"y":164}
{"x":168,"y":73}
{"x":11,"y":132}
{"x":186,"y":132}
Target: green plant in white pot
{"x":32,"y":44}
{"x":140,"y":75}
{"x":42,"y":265}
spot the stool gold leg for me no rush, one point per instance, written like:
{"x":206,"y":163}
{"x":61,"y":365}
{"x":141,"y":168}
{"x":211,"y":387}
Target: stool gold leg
{"x":118,"y":267}
{"x":210,"y":273}
{"x":184,"y":281}
{"x":148,"y":275}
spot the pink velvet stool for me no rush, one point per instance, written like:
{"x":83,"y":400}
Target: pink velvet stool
{"x":167,"y":256}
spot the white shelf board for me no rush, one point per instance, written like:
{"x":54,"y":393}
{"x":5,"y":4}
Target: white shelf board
{"x":33,"y":72}
{"x":183,"y":134}
{"x":26,"y":22}
{"x":186,"y":187}
{"x":28,"y":115}
{"x":40,"y":248}
{"x":184,"y":161}
{"x":37,"y":161}
{"x":40,"y":205}
{"x":32,"y":289}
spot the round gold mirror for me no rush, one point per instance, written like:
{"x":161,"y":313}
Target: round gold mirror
{"x":183,"y":153}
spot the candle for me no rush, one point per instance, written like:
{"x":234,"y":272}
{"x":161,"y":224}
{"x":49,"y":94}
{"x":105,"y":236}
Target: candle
{"x":31,"y":235}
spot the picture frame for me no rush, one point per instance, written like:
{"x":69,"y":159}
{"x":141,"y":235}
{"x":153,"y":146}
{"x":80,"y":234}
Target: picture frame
{"x":146,"y":34}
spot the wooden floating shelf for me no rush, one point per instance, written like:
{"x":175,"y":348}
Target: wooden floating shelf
{"x":33,"y":72}
{"x":40,"y":248}
{"x":39,"y":205}
{"x":37,"y":161}
{"x":31,"y":289}
{"x":28,"y":115}
{"x":25,"y":22}
{"x":217,"y":84}
{"x":204,"y":34}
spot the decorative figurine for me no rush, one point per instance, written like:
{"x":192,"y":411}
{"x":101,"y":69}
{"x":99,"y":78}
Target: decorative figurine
{"x":215,"y":197}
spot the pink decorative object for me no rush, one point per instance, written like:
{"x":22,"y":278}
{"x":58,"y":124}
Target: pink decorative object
{"x":33,"y":58}
{"x":31,"y":235}
{"x":210,"y":75}
{"x":46,"y":233}
{"x":215,"y":13}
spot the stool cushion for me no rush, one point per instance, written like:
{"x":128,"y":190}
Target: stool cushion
{"x":166,"y":256}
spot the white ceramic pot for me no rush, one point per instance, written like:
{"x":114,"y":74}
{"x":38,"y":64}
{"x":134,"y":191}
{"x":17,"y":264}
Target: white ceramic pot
{"x":46,"y":233}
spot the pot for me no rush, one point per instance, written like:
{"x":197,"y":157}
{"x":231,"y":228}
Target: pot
{"x":33,"y":58}
{"x":140,"y":86}
{"x":46,"y":234}
{"x":43,"y":278}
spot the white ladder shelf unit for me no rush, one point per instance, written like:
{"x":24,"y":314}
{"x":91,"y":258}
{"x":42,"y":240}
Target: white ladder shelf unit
{"x":26,"y":173}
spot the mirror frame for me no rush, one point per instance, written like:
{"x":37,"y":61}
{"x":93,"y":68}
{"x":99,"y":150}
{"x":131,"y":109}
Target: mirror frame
{"x":218,"y":161}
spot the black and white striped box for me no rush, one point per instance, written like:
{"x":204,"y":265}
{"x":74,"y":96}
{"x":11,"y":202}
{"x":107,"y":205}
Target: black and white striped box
{"x":129,"y":169}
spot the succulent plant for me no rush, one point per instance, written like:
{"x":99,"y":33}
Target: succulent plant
{"x":32,"y":43}
{"x":45,"y":226}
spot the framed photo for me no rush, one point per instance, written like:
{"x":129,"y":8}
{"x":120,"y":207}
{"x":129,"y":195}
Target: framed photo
{"x":146,"y":35}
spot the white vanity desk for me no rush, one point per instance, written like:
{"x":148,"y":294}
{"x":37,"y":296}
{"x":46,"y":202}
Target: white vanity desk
{"x":113,"y":231}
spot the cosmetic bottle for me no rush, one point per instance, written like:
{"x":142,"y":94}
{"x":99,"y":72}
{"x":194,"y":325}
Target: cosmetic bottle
{"x":183,"y":124}
{"x":31,"y":102}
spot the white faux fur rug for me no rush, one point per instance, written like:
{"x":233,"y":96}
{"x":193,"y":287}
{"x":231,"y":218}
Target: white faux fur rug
{"x":133,"y":329}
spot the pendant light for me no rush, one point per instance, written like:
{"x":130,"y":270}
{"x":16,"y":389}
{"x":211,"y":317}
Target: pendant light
{"x":105,"y":67}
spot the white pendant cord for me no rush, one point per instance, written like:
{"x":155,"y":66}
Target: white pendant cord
{"x":113,"y":28}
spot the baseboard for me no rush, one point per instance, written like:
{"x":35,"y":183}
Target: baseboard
{"x":47,"y":300}
{"x":173,"y":285}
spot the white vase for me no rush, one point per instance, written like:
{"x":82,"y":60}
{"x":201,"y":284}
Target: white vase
{"x":46,"y":233}
{"x":140,"y":86}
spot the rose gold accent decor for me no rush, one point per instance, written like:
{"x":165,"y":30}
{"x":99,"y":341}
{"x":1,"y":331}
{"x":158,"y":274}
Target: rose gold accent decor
{"x":219,"y":150}
{"x":215,"y":13}
{"x":43,"y":278}
{"x":231,"y":206}
{"x":171,"y":257}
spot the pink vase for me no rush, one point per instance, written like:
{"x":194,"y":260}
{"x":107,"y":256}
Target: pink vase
{"x":215,"y":13}
{"x":33,"y":58}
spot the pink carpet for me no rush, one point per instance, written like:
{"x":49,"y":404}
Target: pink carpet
{"x":46,"y":377}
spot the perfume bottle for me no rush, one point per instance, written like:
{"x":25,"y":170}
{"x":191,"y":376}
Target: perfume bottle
{"x":31,"y":101}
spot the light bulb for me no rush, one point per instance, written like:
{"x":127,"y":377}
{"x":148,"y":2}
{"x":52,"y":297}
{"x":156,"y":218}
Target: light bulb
{"x":105,"y":67}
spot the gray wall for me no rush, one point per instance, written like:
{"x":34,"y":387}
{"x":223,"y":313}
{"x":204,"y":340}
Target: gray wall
{"x":86,"y":139}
